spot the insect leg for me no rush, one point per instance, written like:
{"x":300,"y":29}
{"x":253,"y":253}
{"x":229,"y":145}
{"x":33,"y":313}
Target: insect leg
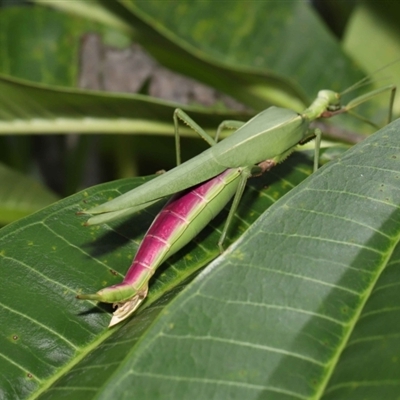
{"x":181,"y":115}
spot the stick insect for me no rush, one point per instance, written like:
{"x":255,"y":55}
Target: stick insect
{"x":214,"y":176}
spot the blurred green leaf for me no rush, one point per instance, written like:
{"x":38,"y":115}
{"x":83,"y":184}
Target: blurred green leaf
{"x":373,"y":38}
{"x":105,"y":12}
{"x":261,"y":52}
{"x":46,"y":40}
{"x":282,"y":40}
{"x":254,"y":67}
{"x":35,"y":108}
{"x":20,"y":195}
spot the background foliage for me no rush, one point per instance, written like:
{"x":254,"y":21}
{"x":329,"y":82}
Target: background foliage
{"x":303,"y":305}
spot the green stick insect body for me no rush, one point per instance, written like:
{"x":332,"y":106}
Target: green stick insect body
{"x":253,"y":148}
{"x":271,"y":135}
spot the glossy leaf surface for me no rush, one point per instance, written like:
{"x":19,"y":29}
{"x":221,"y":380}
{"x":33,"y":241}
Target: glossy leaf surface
{"x":285,"y":312}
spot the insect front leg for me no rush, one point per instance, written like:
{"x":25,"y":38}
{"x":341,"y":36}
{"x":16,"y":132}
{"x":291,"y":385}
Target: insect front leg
{"x":317,"y":135}
{"x":181,"y":115}
{"x":361,"y":99}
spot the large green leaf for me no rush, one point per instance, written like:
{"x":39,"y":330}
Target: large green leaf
{"x":47,"y":258}
{"x":301,"y":306}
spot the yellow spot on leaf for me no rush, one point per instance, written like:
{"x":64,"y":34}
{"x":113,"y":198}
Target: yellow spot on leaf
{"x":239,"y":255}
{"x":275,"y":195}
